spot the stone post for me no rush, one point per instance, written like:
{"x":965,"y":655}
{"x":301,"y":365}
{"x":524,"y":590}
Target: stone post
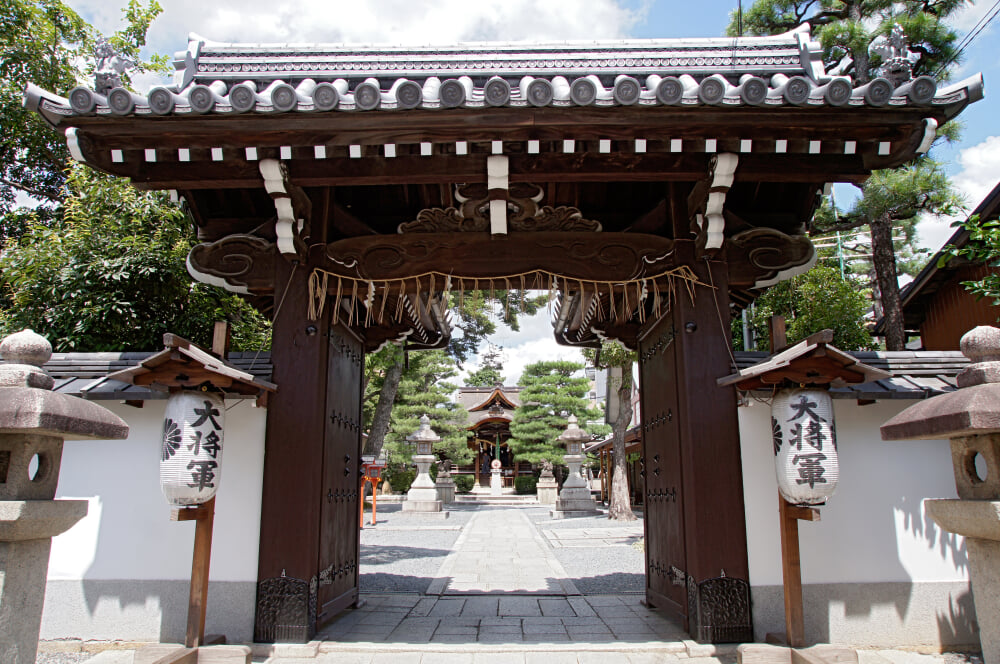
{"x":422,"y":496}
{"x":34,"y":421}
{"x":444,"y":484}
{"x":970,"y":418}
{"x":574,"y":497}
{"x":547,"y":486}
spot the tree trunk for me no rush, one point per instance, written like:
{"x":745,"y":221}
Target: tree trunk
{"x":884,"y":260}
{"x":383,"y":409}
{"x":860,"y":56}
{"x":620,"y":508}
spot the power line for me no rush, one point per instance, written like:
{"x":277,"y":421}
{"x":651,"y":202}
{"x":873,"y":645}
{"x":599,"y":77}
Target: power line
{"x":971,"y":36}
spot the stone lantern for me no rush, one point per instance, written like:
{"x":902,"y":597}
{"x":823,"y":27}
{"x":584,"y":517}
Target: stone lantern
{"x":34,"y":422}
{"x":970,"y":418}
{"x":574,"y":497}
{"x":423,"y":495}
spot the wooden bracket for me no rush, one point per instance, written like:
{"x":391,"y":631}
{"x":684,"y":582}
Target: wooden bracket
{"x":292,"y":207}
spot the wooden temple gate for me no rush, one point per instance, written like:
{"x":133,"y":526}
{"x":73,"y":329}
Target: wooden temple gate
{"x":648,"y":185}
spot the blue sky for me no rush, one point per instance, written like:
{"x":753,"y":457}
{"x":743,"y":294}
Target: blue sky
{"x":974,"y":162}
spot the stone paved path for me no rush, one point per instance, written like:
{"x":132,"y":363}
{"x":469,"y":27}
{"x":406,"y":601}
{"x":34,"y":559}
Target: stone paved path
{"x":501,"y":551}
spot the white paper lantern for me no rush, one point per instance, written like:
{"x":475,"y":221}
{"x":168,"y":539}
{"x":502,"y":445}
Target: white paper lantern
{"x":191,"y":454}
{"x":805,"y":445}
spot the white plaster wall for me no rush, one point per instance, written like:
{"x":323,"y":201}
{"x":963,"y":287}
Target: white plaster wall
{"x":127,"y":533}
{"x":875,"y":569}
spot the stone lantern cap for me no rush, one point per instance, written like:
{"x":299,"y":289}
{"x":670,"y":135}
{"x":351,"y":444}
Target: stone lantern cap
{"x":573,"y":433}
{"x":424,"y":434}
{"x":971,"y":410}
{"x":27,"y":404}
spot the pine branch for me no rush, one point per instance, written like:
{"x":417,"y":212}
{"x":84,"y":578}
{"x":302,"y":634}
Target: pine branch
{"x":31,"y":191}
{"x":845,"y":223}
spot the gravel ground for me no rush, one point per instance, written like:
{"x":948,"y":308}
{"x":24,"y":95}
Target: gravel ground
{"x":402,"y":552}
{"x":597,"y":570}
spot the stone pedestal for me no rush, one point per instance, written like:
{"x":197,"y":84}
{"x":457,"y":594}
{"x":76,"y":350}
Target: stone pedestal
{"x":970,"y":417}
{"x":445,"y":487}
{"x":574,"y":498}
{"x":547,"y":487}
{"x":496,"y":483}
{"x":34,"y":422}
{"x":423,"y":495}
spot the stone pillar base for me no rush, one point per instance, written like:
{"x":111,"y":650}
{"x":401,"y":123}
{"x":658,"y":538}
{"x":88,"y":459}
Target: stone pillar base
{"x":26,"y":531}
{"x":422,"y":506}
{"x":979,"y":522}
{"x":576,"y":500}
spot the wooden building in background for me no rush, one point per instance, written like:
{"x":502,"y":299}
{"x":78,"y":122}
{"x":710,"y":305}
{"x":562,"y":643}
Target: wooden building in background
{"x":936,"y":305}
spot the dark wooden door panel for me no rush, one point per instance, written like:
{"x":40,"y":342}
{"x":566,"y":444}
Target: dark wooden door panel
{"x":339,"y":533}
{"x":664,"y":522}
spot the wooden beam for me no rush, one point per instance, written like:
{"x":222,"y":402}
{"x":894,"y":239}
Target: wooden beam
{"x":547,"y":167}
{"x":651,"y":221}
{"x":221,"y":336}
{"x":200,"y":564}
{"x":507,"y":124}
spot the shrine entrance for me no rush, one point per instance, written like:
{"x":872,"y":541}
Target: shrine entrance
{"x":491,"y":411}
{"x":354,"y":194}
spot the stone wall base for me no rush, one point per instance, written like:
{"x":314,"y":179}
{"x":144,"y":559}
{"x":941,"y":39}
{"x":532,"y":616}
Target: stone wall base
{"x":145,"y":610}
{"x":934,"y":615}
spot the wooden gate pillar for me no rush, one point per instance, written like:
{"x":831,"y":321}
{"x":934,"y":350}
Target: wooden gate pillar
{"x":293,"y":473}
{"x":696,"y":551}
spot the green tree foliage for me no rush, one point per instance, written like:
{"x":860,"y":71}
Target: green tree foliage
{"x":108,"y":274}
{"x":983,"y":246}
{"x":847,"y":30}
{"x":552,"y":392}
{"x":44,"y":42}
{"x":892,"y":201}
{"x":423,"y":390}
{"x":848,"y":27}
{"x":477,"y":312}
{"x":814,"y":301}
{"x":490,"y":373}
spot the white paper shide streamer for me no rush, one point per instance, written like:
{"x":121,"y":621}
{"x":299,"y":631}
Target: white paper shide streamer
{"x":191,"y":455}
{"x":805,"y":445}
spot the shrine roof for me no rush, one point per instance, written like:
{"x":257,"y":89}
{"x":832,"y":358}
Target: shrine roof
{"x":478,"y":398}
{"x":784,"y":70}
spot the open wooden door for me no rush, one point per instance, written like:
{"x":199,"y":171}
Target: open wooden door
{"x":666,"y":581}
{"x":696,"y":547}
{"x":307,"y":570}
{"x":339,"y":533}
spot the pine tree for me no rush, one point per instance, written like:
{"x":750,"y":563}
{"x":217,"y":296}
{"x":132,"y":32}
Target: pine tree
{"x":848,"y":31}
{"x":491,"y":371}
{"x":551,"y":394}
{"x":423,"y":390}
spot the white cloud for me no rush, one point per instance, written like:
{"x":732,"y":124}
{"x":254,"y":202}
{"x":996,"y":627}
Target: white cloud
{"x":376,"y":21}
{"x":533,"y":343}
{"x":966,"y":18}
{"x":980,"y":173}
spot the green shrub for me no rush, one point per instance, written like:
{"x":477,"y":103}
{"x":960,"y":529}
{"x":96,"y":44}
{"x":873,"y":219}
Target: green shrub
{"x":401,"y":479}
{"x":525,"y":484}
{"x":463,"y":483}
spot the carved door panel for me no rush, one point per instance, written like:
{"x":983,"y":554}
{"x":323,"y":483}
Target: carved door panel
{"x":339,"y":536}
{"x":664,"y":522}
